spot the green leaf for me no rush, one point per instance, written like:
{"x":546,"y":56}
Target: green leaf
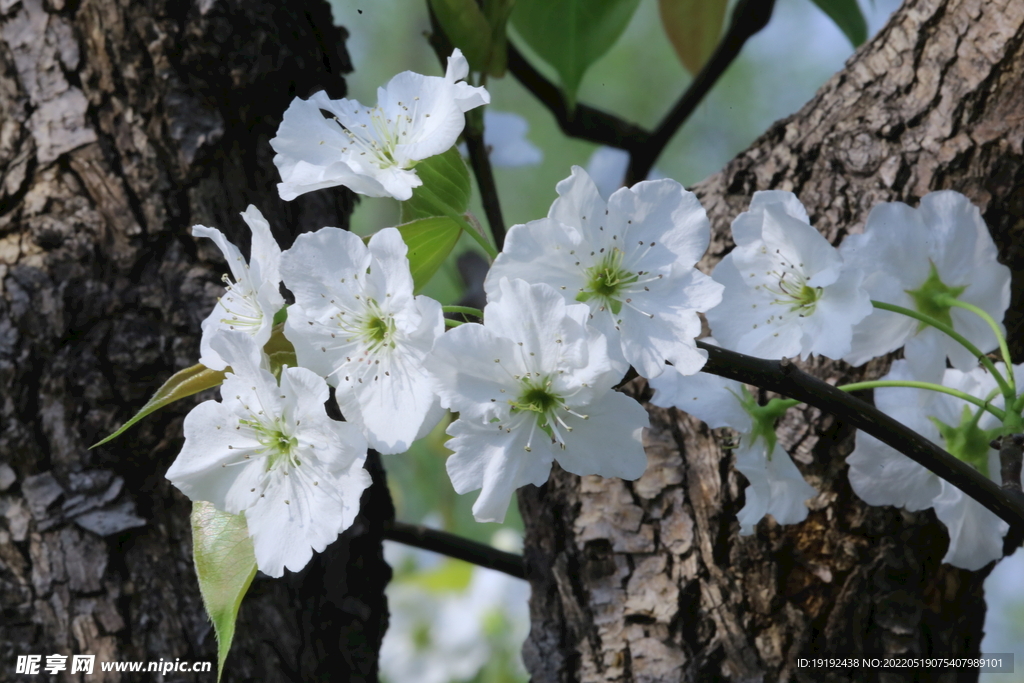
{"x":570,"y":35}
{"x":447,"y":177}
{"x":848,"y":17}
{"x":184,"y":383}
{"x":225,"y":565}
{"x":693,"y":27}
{"x":430,"y":240}
{"x":279,"y":351}
{"x":498,"y":13}
{"x":450,"y":576}
{"x":467,"y":28}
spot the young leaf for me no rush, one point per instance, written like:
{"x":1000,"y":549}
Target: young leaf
{"x":467,"y":28}
{"x":183,"y":383}
{"x":497,"y":13}
{"x":570,"y":35}
{"x":280,"y":351}
{"x":447,"y":177}
{"x":693,"y":27}
{"x":848,"y":17}
{"x":225,"y":565}
{"x":430,"y":240}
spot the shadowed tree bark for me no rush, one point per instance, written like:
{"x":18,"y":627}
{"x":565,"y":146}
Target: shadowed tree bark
{"x":122,"y":124}
{"x":649,"y":580}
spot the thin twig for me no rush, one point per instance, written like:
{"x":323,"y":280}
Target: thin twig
{"x":749,"y":17}
{"x":583,"y":122}
{"x":456,"y":546}
{"x":480,"y":160}
{"x":785,"y":378}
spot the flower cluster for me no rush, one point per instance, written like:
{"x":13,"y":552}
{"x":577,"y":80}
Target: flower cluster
{"x":574,"y":300}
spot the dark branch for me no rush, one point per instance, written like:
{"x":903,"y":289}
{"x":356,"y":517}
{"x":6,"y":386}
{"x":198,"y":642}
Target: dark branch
{"x":749,"y":17}
{"x":480,"y":160}
{"x":1011,"y":452}
{"x":785,"y":378}
{"x":586,"y":123}
{"x":456,"y":546}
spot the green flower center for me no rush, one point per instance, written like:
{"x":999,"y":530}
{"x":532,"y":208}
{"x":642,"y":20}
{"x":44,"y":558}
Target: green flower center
{"x":278,"y":445}
{"x":966,"y":441}
{"x":537,"y":397}
{"x":794,"y":292}
{"x":378,"y":327}
{"x":925,"y":298}
{"x":607,"y":281}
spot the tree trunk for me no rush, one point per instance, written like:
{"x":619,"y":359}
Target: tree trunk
{"x":649,"y":580}
{"x":122,"y":124}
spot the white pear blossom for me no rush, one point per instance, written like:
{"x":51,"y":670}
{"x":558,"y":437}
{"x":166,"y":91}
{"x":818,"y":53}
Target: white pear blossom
{"x":532,"y":385}
{"x":776,"y":485}
{"x":630,"y":259}
{"x":607,"y":167}
{"x":881,"y":475}
{"x":253,"y":293}
{"x":787,"y":291}
{"x":271,"y":453}
{"x":356,"y":322}
{"x":909,"y":256}
{"x":439,"y":636}
{"x":505,"y":139}
{"x":372,"y":151}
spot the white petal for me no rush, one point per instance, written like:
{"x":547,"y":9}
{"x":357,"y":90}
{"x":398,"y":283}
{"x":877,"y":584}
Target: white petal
{"x":314,"y":268}
{"x":203,"y":470}
{"x":881,"y":476}
{"x":539,"y":251}
{"x":579,"y":204}
{"x":746,"y":227}
{"x":975,"y":533}
{"x":715,"y":400}
{"x":609,"y":442}
{"x":466,"y":375}
{"x":776,"y":486}
{"x":664,"y":212}
{"x":488,"y":458}
{"x":266,"y":253}
{"x":535,"y":317}
{"x":505,"y":137}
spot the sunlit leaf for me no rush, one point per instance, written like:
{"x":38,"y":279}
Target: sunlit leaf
{"x":430,"y":240}
{"x":467,"y":28}
{"x":571,"y":35}
{"x":693,"y":27}
{"x":225,"y":566}
{"x":183,"y":383}
{"x":449,"y":576}
{"x":848,"y":17}
{"x":447,"y":178}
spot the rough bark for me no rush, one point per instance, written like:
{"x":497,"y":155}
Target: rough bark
{"x":121,"y":125}
{"x":649,"y":580}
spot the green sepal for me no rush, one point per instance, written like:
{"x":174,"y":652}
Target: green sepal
{"x":182,"y":384}
{"x":225,"y":566}
{"x":430,"y":241}
{"x":927,"y":296}
{"x":966,"y":441}
{"x":447,"y":177}
{"x":571,"y":35}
